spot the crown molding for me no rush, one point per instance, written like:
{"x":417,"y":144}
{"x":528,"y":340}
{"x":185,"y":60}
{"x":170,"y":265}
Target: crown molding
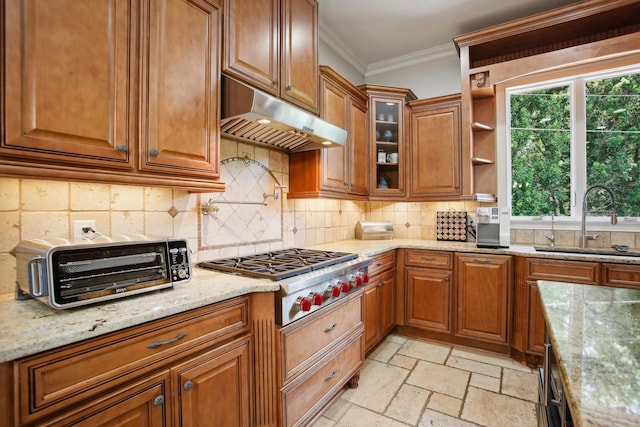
{"x":410,"y":59}
{"x":341,"y":49}
{"x":392,"y":64}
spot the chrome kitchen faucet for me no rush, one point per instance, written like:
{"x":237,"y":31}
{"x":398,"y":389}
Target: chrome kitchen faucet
{"x":584,"y":237}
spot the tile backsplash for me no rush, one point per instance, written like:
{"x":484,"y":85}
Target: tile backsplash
{"x":46,"y":209}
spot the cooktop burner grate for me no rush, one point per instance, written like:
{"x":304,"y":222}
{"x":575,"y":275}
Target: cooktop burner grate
{"x":278,"y":265}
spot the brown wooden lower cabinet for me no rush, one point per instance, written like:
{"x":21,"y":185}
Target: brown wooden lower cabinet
{"x":535,"y":330}
{"x":318,"y":355}
{"x":621,"y":275}
{"x":379,"y":299}
{"x":527,"y":340}
{"x":214,"y":388}
{"x":429,"y":298}
{"x":483,"y":297}
{"x":460,"y":298}
{"x":165,"y":372}
{"x":428,"y":291}
{"x":308,"y":393}
{"x":141,"y":403}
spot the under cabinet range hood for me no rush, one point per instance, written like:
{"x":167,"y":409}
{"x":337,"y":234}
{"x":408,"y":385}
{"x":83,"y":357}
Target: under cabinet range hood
{"x":254,"y":116}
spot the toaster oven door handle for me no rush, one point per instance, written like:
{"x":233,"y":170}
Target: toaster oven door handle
{"x":37,"y":282}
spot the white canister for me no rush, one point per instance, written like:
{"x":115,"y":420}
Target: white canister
{"x":382,"y":157}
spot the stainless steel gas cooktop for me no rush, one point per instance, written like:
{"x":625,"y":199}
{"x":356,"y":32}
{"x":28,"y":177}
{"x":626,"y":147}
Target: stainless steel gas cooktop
{"x":278,"y":265}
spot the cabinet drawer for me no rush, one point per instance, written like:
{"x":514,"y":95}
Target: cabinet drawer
{"x":137,"y":400}
{"x":434,"y":259}
{"x":621,"y":275}
{"x":382,"y":262}
{"x":304,"y":342}
{"x":587,"y":273}
{"x":310,"y":392}
{"x":62,"y":377}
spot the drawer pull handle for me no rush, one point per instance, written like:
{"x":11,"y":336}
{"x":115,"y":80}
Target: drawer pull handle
{"x":482,"y":261}
{"x":158,"y":401}
{"x":424,"y":258}
{"x":333,"y":374}
{"x":331,"y":328}
{"x":188,"y":385}
{"x":157,"y":344}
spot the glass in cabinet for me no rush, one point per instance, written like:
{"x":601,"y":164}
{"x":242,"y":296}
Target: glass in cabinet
{"x":388,"y":149}
{"x":387,"y":107}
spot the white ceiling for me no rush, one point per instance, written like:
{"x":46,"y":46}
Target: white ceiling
{"x":370,"y":32}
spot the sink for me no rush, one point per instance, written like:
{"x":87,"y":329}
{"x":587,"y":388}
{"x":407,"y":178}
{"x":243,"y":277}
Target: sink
{"x":618,"y":251}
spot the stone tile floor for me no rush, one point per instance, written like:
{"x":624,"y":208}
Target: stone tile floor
{"x":410,"y":382}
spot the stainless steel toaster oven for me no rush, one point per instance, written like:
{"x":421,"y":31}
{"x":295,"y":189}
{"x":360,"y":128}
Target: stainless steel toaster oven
{"x":63,"y":274}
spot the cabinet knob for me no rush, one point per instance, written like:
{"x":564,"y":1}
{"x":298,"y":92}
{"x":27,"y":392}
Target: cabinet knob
{"x":276,"y":81}
{"x":289,"y":87}
{"x":158,"y":401}
{"x":188,"y":385}
{"x":123,"y":148}
{"x":153,"y":153}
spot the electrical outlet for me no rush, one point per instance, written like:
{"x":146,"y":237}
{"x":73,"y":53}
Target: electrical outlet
{"x":471,"y":220}
{"x":78,"y":229}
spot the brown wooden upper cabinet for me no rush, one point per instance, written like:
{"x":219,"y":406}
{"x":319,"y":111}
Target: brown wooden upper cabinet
{"x":260,"y":49}
{"x":434,"y":148}
{"x":338,"y":172}
{"x":180,"y":97}
{"x":388,"y":140}
{"x":94,"y":93}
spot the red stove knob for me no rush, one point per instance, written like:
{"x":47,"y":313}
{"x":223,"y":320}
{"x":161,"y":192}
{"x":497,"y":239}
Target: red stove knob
{"x":305,"y":304}
{"x":345,"y":287}
{"x":317,"y":298}
{"x":365,"y":278}
{"x":359,"y":281}
{"x":335,"y":291}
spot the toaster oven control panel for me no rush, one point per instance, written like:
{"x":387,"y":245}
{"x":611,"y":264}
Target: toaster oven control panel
{"x":179,"y":261}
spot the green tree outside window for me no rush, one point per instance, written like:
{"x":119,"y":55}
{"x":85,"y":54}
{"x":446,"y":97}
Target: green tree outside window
{"x":541,"y":154}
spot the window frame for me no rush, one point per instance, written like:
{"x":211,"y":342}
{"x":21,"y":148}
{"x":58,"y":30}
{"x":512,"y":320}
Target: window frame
{"x":575,"y":78}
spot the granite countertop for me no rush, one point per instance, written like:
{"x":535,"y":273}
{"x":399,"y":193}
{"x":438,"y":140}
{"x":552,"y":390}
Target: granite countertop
{"x":29,"y":327}
{"x":595,"y":333}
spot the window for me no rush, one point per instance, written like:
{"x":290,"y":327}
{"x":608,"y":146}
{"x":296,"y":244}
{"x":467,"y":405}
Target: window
{"x":566,"y":135}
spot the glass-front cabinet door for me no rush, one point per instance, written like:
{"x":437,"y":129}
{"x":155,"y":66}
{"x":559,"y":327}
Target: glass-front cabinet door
{"x":389,"y":151}
{"x":387,"y":136}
